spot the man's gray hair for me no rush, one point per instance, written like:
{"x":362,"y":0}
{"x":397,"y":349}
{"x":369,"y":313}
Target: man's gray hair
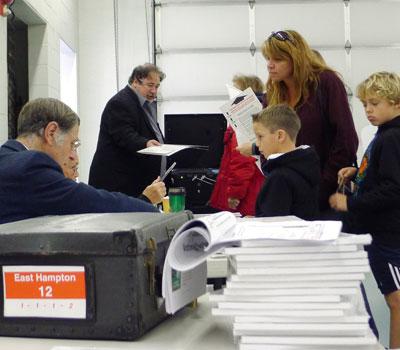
{"x":142,"y":72}
{"x":36,"y":114}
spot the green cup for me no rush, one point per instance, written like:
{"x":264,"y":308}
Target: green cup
{"x":177,"y":199}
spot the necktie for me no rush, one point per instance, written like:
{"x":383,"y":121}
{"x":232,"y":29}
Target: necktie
{"x":153,"y":121}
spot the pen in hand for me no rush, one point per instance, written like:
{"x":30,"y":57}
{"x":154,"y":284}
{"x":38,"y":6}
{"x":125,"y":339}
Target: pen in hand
{"x":168,"y":171}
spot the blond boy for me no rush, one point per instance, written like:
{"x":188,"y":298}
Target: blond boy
{"x":292,"y":174}
{"x":374,"y":207}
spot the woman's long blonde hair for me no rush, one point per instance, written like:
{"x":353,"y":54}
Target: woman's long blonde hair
{"x":306,"y":67}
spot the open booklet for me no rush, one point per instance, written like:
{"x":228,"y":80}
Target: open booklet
{"x":185,"y":273}
{"x":238,"y":113}
{"x":168,"y":149}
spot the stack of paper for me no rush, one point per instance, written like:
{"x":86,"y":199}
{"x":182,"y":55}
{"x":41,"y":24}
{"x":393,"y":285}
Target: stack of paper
{"x":185,"y":269}
{"x":293,"y":284}
{"x":298,"y":294}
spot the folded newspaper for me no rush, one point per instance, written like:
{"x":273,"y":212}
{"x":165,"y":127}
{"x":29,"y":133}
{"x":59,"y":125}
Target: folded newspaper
{"x":185,"y":269}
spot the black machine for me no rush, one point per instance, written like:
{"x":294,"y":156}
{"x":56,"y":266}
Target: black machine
{"x":198,"y":183}
{"x":89,"y":276}
{"x":196,"y":169}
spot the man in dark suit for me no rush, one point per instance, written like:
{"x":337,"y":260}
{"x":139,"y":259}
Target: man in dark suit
{"x":32,"y":182}
{"x":129,"y":124}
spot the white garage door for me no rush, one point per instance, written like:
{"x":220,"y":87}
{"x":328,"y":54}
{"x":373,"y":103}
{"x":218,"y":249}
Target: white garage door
{"x":202,"y":44}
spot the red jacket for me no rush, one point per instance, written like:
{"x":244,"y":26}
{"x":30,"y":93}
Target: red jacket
{"x":238,"y":177}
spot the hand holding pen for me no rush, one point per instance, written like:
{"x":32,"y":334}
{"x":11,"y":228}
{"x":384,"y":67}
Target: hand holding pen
{"x":168,"y":171}
{"x":156,"y":191}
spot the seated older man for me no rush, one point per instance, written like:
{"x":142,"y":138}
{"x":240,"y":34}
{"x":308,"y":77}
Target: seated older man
{"x":32,"y":181}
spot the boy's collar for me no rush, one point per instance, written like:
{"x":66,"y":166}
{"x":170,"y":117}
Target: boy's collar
{"x":276,"y":155}
{"x":395,"y":122}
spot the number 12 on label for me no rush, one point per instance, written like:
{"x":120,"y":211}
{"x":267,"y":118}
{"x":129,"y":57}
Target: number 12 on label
{"x":46,"y":291}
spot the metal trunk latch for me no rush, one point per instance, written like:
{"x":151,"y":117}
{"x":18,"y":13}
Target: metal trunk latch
{"x":170,"y":232}
{"x":150,"y":263}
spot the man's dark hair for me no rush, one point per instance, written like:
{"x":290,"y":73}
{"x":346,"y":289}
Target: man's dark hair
{"x":36,"y":114}
{"x":142,"y":72}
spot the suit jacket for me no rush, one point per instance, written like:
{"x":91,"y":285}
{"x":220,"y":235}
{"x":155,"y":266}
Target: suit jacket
{"x":124,"y":130}
{"x":32,"y":184}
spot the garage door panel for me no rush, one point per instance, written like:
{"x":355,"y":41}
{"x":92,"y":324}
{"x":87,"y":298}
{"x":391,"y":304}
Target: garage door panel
{"x":320,"y":23}
{"x":375,"y":23}
{"x":367,"y":61}
{"x":202,"y":74}
{"x":335,"y":59}
{"x":204,"y":26}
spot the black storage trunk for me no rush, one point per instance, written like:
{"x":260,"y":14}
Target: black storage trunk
{"x":122,"y":257}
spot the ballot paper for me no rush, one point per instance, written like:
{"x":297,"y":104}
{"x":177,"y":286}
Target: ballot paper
{"x":238,"y":113}
{"x":168,"y":149}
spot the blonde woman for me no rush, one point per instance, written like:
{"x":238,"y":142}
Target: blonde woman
{"x":297,"y":77}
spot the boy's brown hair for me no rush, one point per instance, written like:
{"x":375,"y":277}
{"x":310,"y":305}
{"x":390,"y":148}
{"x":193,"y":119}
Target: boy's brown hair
{"x":380,"y":84}
{"x":279,"y":116}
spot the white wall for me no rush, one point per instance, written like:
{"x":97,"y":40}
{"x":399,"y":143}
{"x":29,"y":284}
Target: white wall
{"x":60,"y":22}
{"x":68,"y":76}
{"x":97,"y":68}
{"x":134,"y":36}
{"x":96,"y":72}
{"x":48,"y":22}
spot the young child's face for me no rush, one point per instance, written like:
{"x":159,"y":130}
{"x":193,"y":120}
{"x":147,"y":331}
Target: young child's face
{"x":266,"y":141}
{"x":380,"y":110}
